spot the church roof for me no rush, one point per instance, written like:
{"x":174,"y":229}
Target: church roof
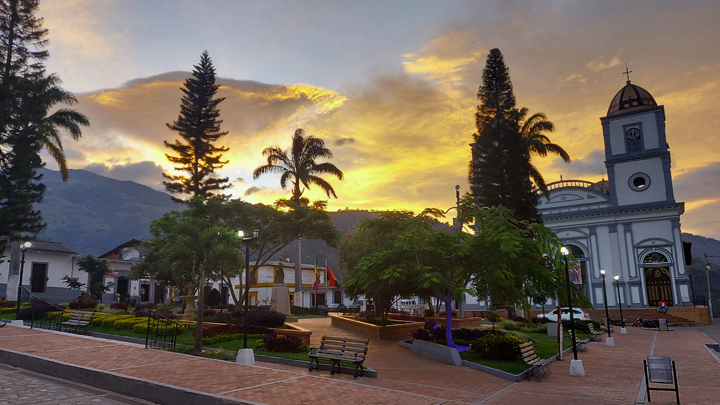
{"x":630,"y":98}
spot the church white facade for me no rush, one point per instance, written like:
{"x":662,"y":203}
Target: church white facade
{"x":629,"y":224}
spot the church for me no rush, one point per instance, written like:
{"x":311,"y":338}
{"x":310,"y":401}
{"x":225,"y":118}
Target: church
{"x":629,"y":224}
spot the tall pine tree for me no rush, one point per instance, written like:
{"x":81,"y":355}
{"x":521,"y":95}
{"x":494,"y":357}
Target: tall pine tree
{"x":199,"y":127}
{"x":500,"y":167}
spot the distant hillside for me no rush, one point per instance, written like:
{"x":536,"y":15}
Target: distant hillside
{"x":90,"y":213}
{"x":702,"y":245}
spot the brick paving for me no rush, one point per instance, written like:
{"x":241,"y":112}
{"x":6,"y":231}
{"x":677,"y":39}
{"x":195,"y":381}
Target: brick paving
{"x":613,"y":375}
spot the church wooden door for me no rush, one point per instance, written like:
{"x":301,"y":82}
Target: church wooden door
{"x":657,"y":281}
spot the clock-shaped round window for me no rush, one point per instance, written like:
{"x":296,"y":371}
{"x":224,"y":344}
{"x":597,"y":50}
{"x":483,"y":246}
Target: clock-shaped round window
{"x":639,"y":182}
{"x":632,"y":134}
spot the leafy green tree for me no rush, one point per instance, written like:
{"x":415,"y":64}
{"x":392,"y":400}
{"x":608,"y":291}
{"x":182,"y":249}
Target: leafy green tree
{"x":199,"y":128}
{"x":96,"y":269}
{"x":299,"y":167}
{"x":30,"y":120}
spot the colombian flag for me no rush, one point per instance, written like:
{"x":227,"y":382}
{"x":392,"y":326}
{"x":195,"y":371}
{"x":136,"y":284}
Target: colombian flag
{"x":331,"y":277}
{"x":316,"y":281}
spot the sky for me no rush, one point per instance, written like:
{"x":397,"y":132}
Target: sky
{"x":389,"y":86}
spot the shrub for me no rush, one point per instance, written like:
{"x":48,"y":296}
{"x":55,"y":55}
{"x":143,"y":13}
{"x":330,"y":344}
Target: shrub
{"x":141,"y":310}
{"x":40,"y":308}
{"x":520,"y":319}
{"x":309,"y":311}
{"x":231,"y":329}
{"x":123,"y":305}
{"x":470,"y":335}
{"x":534,"y":328}
{"x":498,"y":347}
{"x":108,"y":321}
{"x":128,"y":323}
{"x":281,"y":343}
{"x":542,"y":320}
{"x":421,"y":334}
{"x":98,"y":319}
{"x":579,"y":325}
{"x":428,"y":313}
{"x":263,"y":317}
{"x":142,"y":327}
{"x":453,"y":312}
{"x":214,"y":298}
{"x":224,"y":317}
{"x":494,"y":317}
{"x":509,"y":325}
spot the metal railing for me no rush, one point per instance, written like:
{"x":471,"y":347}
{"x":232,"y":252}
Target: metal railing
{"x":576,"y":183}
{"x":162,"y":332}
{"x":40,"y":314}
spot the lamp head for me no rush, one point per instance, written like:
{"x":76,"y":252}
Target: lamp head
{"x":25,"y":245}
{"x":602,"y":273}
{"x":256,"y":233}
{"x":616,"y":278}
{"x":241,"y":234}
{"x":564,"y":251}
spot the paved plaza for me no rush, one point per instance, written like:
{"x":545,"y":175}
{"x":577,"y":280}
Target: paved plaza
{"x":613,"y":375}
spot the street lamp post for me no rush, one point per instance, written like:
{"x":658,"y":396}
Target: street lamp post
{"x":247,"y":240}
{"x":609,"y":342}
{"x":23,"y":247}
{"x":576,"y":366}
{"x":623,"y":330}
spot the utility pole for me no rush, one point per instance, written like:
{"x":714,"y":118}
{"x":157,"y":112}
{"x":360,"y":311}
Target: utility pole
{"x":707,"y":275}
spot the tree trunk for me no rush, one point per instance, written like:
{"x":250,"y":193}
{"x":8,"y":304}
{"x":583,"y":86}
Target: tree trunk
{"x":200,"y":313}
{"x":448,"y":320}
{"x":11,"y":291}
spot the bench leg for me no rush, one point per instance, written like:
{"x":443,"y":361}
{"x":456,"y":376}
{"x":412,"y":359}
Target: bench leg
{"x":335,"y":367}
{"x":359,"y":371}
{"x":314,"y":364}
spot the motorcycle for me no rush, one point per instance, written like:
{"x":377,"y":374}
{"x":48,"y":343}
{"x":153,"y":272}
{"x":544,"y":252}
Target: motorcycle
{"x":640,"y":322}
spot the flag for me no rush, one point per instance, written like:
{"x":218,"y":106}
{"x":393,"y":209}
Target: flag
{"x":331,"y":277}
{"x":316,"y":281}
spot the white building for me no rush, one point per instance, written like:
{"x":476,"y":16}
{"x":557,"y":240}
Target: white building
{"x":629,"y":224}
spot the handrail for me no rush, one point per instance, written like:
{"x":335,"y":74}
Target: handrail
{"x":58,"y":320}
{"x":165,"y":331}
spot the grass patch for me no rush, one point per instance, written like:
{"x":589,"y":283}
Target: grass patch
{"x":513,"y":367}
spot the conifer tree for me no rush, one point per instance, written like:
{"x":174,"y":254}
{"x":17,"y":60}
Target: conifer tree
{"x":199,"y":128}
{"x":499,"y":171}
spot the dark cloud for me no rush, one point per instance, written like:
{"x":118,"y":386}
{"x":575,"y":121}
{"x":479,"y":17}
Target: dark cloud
{"x":147,"y":173}
{"x":343,"y":141}
{"x":239,"y":180}
{"x":253,"y":190}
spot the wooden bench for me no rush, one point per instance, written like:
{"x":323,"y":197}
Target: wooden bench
{"x":79,"y":319}
{"x":660,"y":370}
{"x":351,"y":310}
{"x":337,"y":349}
{"x":540,"y":367}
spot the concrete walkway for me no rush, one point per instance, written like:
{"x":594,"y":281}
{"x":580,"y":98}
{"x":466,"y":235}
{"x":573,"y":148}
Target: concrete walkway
{"x":614,"y":375}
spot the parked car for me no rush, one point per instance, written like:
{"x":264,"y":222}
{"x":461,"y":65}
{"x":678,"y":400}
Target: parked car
{"x":336,"y":307}
{"x":578,"y":314}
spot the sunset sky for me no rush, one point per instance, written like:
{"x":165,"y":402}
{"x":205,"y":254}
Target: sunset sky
{"x":389,"y":85}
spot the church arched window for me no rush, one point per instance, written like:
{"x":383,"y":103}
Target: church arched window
{"x":655,"y":257}
{"x":576,"y":251}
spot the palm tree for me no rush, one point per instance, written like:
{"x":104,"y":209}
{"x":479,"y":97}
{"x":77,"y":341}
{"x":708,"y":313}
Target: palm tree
{"x":299,"y":167}
{"x":532,"y":131}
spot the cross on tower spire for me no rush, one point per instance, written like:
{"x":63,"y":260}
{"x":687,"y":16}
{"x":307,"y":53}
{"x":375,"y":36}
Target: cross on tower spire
{"x":627,"y":72}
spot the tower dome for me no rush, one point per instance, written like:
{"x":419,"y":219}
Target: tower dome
{"x":630,"y":98}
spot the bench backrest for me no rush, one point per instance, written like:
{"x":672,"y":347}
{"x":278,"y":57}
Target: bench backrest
{"x":659,"y":369}
{"x":357,"y":347}
{"x":81,"y":316}
{"x":528,"y":351}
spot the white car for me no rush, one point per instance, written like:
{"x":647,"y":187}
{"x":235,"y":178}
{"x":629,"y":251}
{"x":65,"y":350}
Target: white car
{"x":578,"y":314}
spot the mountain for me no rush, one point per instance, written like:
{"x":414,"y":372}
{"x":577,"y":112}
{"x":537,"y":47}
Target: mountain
{"x":90,"y":213}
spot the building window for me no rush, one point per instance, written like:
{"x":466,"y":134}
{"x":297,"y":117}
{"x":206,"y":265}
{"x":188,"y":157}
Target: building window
{"x":655,"y":257}
{"x":639,"y":182}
